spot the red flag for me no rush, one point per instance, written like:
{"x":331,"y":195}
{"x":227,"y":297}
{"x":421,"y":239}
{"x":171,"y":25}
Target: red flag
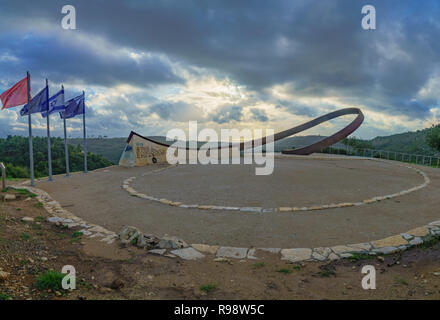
{"x":17,"y":95}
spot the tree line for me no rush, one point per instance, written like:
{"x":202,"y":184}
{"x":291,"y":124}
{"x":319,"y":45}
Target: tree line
{"x":14,"y":153}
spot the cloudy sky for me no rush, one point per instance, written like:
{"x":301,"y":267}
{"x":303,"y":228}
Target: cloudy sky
{"x":150,"y":66}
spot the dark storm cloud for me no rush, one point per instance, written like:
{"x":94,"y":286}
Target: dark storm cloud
{"x":227,"y":114}
{"x":259,"y":114}
{"x":317,"y":47}
{"x":65,"y":61}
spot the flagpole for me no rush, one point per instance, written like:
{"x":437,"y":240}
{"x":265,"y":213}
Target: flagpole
{"x":66,"y":149}
{"x":49,"y":155}
{"x":31,"y":151}
{"x":85,"y":142}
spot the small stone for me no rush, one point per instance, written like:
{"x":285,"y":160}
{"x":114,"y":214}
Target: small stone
{"x":437,"y":274}
{"x":4,"y":275}
{"x":58,"y":294}
{"x":27,"y":219}
{"x":386,"y":250}
{"x":381,"y":258}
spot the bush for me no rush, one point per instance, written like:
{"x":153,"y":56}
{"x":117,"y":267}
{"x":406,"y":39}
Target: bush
{"x":50,"y":280}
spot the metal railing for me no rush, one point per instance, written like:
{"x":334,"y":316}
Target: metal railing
{"x":432,"y":161}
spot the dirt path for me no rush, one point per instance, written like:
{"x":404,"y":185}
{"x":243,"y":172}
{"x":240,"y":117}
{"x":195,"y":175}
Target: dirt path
{"x":28,"y":249}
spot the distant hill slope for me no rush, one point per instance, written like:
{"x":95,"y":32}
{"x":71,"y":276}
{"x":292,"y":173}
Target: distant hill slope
{"x":109,"y":148}
{"x":409,"y":142}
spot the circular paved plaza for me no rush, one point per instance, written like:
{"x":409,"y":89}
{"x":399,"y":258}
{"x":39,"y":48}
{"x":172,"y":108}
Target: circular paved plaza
{"x":296,"y":182}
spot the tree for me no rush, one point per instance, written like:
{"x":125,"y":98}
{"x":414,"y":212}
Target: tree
{"x":433,"y":137}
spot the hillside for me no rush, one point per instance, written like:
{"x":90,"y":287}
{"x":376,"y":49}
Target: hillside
{"x":109,"y":148}
{"x":14,"y":153}
{"x":409,"y":142}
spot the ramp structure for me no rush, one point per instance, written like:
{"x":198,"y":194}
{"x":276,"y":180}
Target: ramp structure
{"x":142,"y":151}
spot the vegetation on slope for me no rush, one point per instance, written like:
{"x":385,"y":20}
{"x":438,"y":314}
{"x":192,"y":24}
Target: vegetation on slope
{"x":14,"y":153}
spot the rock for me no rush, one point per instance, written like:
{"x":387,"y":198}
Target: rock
{"x":251,"y":209}
{"x":188,"y":253}
{"x":27,"y":219}
{"x":271,"y":250}
{"x":232,"y":252}
{"x":205,"y":248}
{"x":8,"y":197}
{"x":4,"y":275}
{"x":251,"y":254}
{"x":437,"y":274}
{"x":171,"y":243}
{"x":386,"y":250}
{"x":393,"y":241}
{"x":157,"y":251}
{"x":416,"y":241}
{"x":342,"y":249}
{"x":54,"y":219}
{"x":147,"y":241}
{"x":128,"y":234}
{"x":297,"y":254}
{"x":117,"y":284}
{"x":419,"y":232}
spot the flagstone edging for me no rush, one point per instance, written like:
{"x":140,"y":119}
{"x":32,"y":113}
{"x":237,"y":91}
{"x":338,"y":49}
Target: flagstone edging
{"x":392,"y":244}
{"x":126,"y":186}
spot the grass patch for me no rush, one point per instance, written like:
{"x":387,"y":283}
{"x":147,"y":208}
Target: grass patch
{"x":428,"y":244}
{"x":25,"y":236}
{"x":399,"y":280}
{"x":208,"y":287}
{"x":285,"y":270}
{"x":36,"y":226}
{"x":22,"y":192}
{"x":18,"y":209}
{"x":296,"y":267}
{"x":77,"y":234}
{"x":50,"y":280}
{"x":360,"y":256}
{"x":38,"y":204}
{"x":258,"y":265}
{"x":39,"y":219}
{"x":85,"y":284}
{"x":4,"y":297}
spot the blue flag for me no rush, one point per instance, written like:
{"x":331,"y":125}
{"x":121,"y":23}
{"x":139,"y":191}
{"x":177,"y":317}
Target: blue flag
{"x":39,"y":103}
{"x":56,"y":103}
{"x":74,"y":107}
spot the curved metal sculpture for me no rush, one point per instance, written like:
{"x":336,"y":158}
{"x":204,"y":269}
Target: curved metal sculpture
{"x":326,"y":142}
{"x":150,"y":151}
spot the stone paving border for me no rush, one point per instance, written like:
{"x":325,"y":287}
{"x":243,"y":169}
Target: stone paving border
{"x":133,"y":192}
{"x":389,"y":245}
